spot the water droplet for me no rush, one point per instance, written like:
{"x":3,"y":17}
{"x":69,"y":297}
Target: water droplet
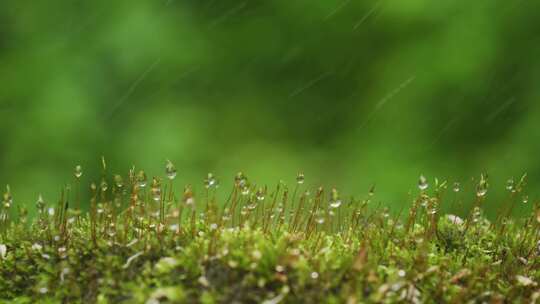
{"x":510,"y":185}
{"x":477,"y":214}
{"x":210,"y":181}
{"x":170,"y":170}
{"x":40,"y":203}
{"x":245,"y":190}
{"x":422,"y":183}
{"x":104,"y":186}
{"x":314,"y":275}
{"x":240,"y":179}
{"x":371,"y":190}
{"x":213,"y":226}
{"x":78,"y":171}
{"x":142,"y":180}
{"x":525,"y":199}
{"x":457,"y":187}
{"x":335,"y":204}
{"x":118,"y":181}
{"x":482,"y":187}
{"x":300,"y":178}
{"x":320,"y":220}
{"x":156,"y":190}
{"x":260,"y":194}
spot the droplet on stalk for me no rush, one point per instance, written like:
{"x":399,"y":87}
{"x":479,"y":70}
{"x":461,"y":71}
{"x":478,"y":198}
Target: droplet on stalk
{"x":457,"y":187}
{"x":210,"y":181}
{"x":240,"y":180}
{"x":104,"y":186}
{"x":482,"y":188}
{"x":170,"y":170}
{"x":188,"y":198}
{"x":260,"y":194}
{"x":118,"y":181}
{"x":156,"y":190}
{"x":422,"y":183}
{"x":142,"y":180}
{"x":510,"y":185}
{"x":335,"y":202}
{"x":78,"y":171}
{"x":300,"y":178}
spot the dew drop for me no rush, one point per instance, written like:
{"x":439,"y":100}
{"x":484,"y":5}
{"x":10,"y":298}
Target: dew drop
{"x":260,"y":194}
{"x":78,"y":171}
{"x":371,"y":190}
{"x":422,"y":183}
{"x":240,"y":179}
{"x":482,"y":187}
{"x":300,"y":178}
{"x":156,"y":190}
{"x":40,"y":203}
{"x":457,"y":187}
{"x":210,"y":181}
{"x":142,"y":180}
{"x":525,"y":199}
{"x":170,"y":170}
{"x":510,"y":185}
{"x":118,"y":181}
{"x":104,"y":186}
{"x":335,"y":204}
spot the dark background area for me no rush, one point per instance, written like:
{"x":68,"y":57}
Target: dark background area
{"x":350,"y":92}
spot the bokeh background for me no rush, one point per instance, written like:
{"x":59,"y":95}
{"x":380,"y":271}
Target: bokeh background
{"x":350,"y":92}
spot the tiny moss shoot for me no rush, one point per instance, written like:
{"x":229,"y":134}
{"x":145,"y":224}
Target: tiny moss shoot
{"x":151,"y":241}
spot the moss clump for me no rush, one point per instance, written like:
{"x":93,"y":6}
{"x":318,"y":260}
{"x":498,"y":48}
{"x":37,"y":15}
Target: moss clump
{"x":144,"y":242}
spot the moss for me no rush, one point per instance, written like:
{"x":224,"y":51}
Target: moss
{"x":146,"y":242}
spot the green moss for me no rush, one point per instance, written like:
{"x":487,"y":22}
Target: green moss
{"x":146,"y":242}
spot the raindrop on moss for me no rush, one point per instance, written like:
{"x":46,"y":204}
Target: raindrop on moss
{"x":422,"y":183}
{"x":210,"y":181}
{"x":142,"y":180}
{"x":78,"y":171}
{"x":170,"y":170}
{"x":300,"y":178}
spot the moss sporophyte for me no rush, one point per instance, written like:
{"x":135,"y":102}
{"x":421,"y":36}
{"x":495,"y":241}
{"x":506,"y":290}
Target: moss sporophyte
{"x":131,"y":239}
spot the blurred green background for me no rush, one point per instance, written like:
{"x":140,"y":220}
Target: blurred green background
{"x":350,"y":92}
